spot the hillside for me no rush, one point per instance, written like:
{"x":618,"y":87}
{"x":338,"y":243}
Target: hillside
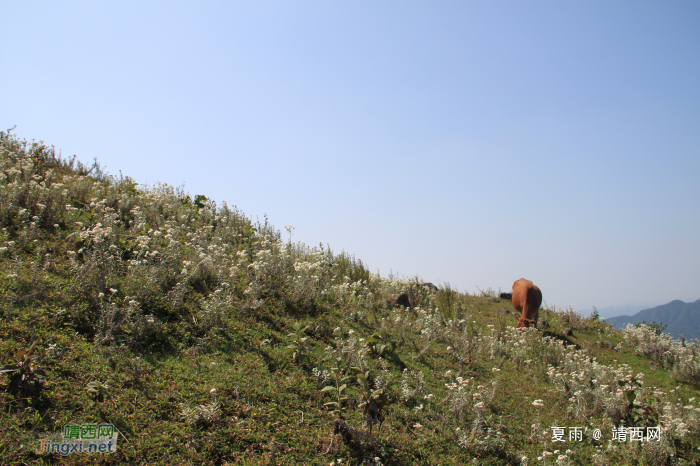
{"x":205,"y":338}
{"x":681,"y":318}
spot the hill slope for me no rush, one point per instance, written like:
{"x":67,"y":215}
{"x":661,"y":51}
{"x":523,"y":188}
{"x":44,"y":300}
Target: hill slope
{"x":204,"y":338}
{"x":681,"y":318}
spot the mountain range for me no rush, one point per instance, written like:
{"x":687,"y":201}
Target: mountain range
{"x":681,"y":318}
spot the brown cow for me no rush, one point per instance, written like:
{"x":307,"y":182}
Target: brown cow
{"x":527,"y":299}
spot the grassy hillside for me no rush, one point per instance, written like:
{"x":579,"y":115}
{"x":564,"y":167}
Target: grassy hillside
{"x":679,"y":317}
{"x":206,"y":338}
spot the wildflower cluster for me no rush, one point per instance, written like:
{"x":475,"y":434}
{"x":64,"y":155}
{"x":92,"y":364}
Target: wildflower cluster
{"x":469,"y":405}
{"x":680,"y":357}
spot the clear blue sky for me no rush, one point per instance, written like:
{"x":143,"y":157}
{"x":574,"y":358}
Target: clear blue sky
{"x":469,"y":142}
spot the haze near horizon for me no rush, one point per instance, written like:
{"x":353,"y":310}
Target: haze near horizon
{"x":468,"y":143}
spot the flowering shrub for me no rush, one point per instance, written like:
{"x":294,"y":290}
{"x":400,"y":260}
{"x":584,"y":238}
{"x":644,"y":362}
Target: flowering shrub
{"x":468,"y":405}
{"x":680,"y":357}
{"x":572,"y":318}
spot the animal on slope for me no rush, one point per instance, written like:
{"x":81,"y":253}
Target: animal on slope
{"x":527,"y":299}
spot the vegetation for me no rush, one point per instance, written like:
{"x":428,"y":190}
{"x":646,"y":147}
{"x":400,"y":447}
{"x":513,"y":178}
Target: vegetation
{"x":205,"y":338}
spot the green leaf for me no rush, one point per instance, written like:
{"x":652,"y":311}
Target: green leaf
{"x":6,"y":369}
{"x":31,"y":348}
{"x":327,"y":389}
{"x":331,"y":403}
{"x":342,"y":387}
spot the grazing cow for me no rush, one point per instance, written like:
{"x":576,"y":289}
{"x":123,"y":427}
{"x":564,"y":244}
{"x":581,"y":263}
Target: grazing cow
{"x":527,"y":299}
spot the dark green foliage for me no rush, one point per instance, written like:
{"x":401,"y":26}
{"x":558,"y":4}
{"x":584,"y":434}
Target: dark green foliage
{"x":381,"y":346}
{"x":23,"y":373}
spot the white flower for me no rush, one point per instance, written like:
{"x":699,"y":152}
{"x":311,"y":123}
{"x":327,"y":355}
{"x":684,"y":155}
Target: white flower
{"x":112,"y":290}
{"x":212,"y":392}
{"x":495,"y":369}
{"x":417,"y":426}
{"x":537,"y":403}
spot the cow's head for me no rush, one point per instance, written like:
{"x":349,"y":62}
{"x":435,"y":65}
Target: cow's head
{"x":525,"y":322}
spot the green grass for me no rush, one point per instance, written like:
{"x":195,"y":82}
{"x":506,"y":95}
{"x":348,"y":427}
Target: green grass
{"x":164,"y":342}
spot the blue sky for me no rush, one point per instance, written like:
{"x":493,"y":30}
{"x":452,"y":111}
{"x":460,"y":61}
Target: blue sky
{"x":468,"y":142}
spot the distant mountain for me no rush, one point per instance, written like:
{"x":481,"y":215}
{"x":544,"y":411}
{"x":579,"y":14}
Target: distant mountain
{"x":681,"y":318}
{"x":623,"y":310}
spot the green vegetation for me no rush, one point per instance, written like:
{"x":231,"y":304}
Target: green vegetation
{"x":658,"y":328}
{"x":205,"y":338}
